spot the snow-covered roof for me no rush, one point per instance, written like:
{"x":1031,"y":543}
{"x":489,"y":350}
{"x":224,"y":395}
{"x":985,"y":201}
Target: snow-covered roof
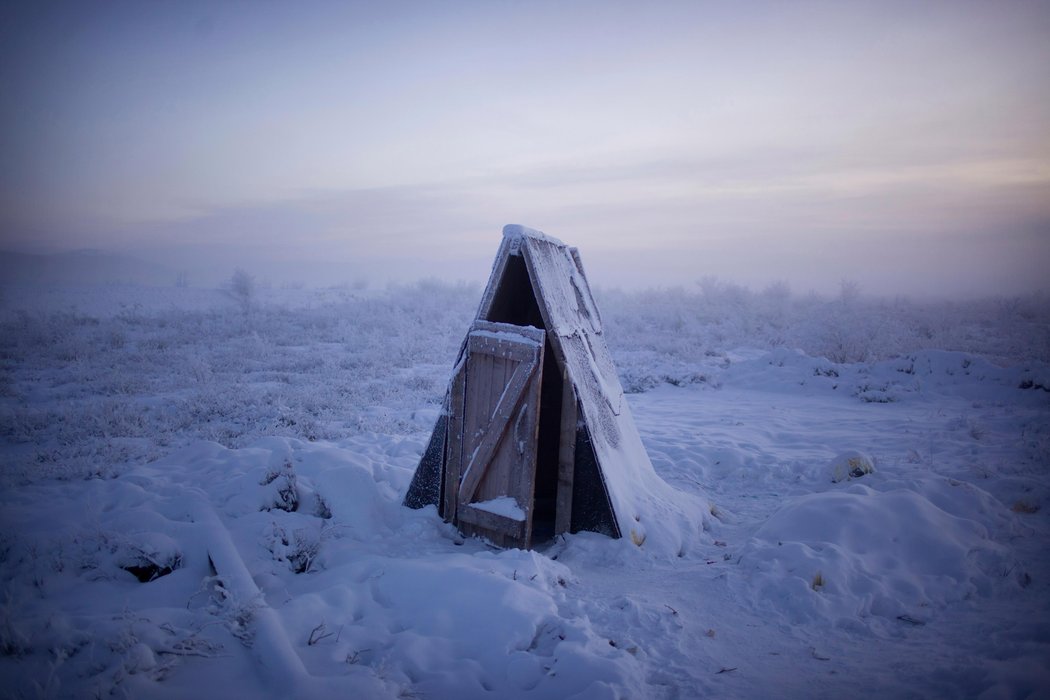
{"x":515,"y":232}
{"x":645,"y":507}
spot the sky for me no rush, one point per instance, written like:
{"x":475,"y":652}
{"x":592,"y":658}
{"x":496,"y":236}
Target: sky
{"x":904,"y":146}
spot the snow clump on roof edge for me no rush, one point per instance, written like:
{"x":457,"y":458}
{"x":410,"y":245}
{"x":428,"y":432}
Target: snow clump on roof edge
{"x":519,"y":231}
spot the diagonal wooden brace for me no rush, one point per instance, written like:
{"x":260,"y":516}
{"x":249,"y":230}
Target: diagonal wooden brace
{"x":497,"y":428}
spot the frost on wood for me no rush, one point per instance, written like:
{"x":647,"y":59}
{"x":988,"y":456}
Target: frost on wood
{"x":602,"y":469}
{"x":647,"y":510}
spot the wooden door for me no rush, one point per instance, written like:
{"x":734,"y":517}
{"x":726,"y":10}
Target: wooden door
{"x":490,"y":475}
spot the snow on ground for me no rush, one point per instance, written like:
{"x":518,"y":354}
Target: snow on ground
{"x":201,"y":496}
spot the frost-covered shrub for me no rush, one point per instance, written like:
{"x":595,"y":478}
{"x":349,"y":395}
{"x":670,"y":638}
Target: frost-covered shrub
{"x":689,"y":324}
{"x":334,"y":367}
{"x":282,"y":492}
{"x":242,"y":288}
{"x":83,"y":392}
{"x":299,"y":548}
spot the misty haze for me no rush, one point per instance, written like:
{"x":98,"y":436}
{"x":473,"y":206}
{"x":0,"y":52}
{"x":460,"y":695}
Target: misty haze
{"x":250,"y":257}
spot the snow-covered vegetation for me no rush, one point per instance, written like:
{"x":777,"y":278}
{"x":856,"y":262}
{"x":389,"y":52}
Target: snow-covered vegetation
{"x":201,"y":495}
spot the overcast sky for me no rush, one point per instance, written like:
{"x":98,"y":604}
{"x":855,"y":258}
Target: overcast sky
{"x":902,"y":145}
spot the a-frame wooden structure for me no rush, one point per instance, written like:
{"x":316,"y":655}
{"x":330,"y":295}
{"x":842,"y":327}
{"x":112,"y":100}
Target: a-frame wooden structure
{"x":535,"y":438}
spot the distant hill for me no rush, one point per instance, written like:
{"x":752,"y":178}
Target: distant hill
{"x":81,"y":268}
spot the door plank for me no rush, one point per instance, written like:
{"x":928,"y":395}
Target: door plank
{"x":492,"y":521}
{"x":498,"y":423}
{"x":454,"y":444}
{"x":566,"y":457}
{"x":499,"y":414}
{"x":494,"y":347}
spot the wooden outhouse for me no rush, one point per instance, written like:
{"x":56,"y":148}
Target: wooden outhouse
{"x":535,"y":438}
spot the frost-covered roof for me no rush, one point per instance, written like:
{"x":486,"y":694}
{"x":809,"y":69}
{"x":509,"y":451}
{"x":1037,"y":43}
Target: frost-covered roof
{"x":517,"y":231}
{"x":645,"y":507}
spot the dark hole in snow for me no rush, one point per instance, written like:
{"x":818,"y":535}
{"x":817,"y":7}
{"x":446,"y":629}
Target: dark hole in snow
{"x":146,"y":571}
{"x":323,"y":510}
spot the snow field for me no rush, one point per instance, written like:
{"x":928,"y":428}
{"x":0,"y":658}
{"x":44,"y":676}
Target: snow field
{"x":247,"y":461}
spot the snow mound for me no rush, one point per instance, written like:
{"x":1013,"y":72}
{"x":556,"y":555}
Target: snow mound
{"x":296,"y":563}
{"x":861,"y":556}
{"x":925,"y":373}
{"x":850,"y":465}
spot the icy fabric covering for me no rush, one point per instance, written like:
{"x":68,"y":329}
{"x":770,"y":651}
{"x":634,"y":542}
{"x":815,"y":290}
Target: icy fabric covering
{"x":648,"y":511}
